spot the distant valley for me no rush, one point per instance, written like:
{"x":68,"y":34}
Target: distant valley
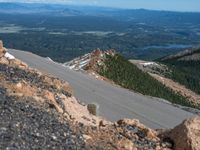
{"x":48,"y":30}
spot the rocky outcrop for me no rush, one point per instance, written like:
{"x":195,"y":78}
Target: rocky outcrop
{"x":126,"y":134}
{"x":185,"y":136}
{"x":8,"y":59}
{"x":90,"y":63}
{"x":97,"y":58}
{"x":147,"y":132}
{"x":2,"y":49}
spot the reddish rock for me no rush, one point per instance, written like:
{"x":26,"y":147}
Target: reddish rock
{"x":127,"y":145}
{"x":186,"y":136}
{"x":97,"y":52}
{"x":62,"y":85}
{"x":4,"y":60}
{"x":2,"y":49}
{"x":102,"y":124}
{"x":51,"y":100}
{"x":132,"y":122}
{"x":1,"y":45}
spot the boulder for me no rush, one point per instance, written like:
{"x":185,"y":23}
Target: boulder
{"x":186,"y":136}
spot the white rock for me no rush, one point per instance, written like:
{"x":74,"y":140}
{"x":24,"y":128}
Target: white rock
{"x":9,"y":56}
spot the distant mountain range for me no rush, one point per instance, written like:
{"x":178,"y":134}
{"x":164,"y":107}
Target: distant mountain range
{"x":132,"y":15}
{"x":27,"y":8}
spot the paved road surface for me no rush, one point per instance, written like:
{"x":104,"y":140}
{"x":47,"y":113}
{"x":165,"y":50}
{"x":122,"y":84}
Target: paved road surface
{"x":114,"y":102}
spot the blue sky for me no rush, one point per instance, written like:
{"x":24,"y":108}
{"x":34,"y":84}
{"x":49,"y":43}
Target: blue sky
{"x":175,"y":5}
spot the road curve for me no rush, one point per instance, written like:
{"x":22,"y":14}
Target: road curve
{"x":114,"y":102}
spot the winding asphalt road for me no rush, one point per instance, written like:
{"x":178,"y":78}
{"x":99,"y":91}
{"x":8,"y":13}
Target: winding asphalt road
{"x":114,"y":102}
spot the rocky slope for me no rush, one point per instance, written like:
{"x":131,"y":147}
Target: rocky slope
{"x":90,"y":63}
{"x":192,"y":54}
{"x":40,"y":112}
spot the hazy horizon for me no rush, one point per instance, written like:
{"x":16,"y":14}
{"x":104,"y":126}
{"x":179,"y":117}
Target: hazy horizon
{"x":170,"y":5}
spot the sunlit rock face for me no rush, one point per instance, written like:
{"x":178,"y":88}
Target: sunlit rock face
{"x":2,"y":49}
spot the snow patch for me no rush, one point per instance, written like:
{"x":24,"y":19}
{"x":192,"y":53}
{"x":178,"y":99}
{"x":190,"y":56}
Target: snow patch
{"x":78,"y":63}
{"x":48,"y":58}
{"x":9,"y":56}
{"x":72,"y":67}
{"x":148,"y":64}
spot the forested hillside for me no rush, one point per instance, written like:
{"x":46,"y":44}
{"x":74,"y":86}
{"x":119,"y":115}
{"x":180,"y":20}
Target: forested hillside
{"x":187,"y":73}
{"x":124,"y":73}
{"x":185,"y":68}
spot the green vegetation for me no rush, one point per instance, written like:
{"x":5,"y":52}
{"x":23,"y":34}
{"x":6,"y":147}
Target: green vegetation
{"x":186,"y":73}
{"x":124,"y":73}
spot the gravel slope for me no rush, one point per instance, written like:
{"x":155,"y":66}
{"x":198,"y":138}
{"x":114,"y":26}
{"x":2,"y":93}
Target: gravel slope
{"x":25,"y":126}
